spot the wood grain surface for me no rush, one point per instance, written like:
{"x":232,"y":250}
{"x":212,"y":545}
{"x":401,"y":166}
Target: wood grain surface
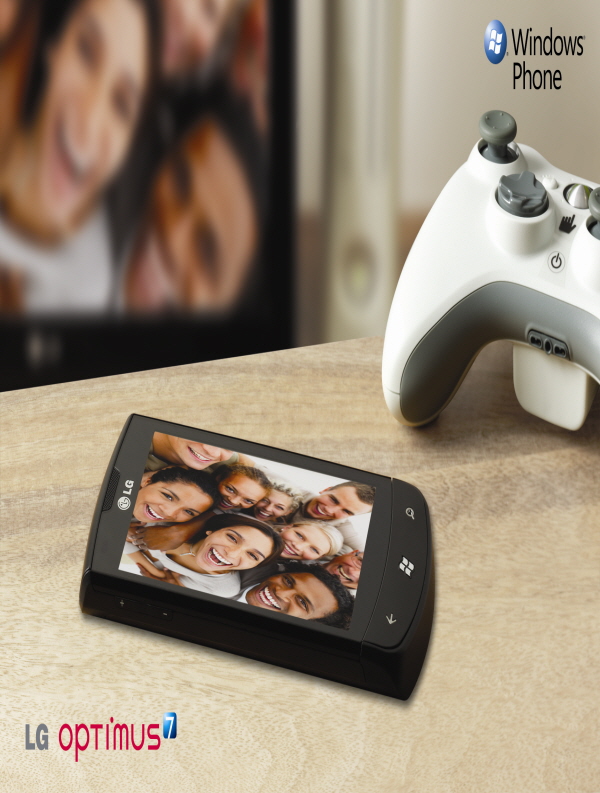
{"x":509,"y":698}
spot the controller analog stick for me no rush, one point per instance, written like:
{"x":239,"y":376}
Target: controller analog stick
{"x":594,"y":207}
{"x":498,"y":129}
{"x":522,"y":195}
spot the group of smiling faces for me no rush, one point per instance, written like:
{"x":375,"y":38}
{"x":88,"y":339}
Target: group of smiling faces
{"x":214,"y":512}
{"x":79,"y":79}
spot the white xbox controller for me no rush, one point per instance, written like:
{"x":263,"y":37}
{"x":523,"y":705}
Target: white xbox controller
{"x":510,"y":250}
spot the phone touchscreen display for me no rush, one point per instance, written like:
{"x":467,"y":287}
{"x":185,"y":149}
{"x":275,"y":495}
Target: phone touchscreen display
{"x":273,"y":536}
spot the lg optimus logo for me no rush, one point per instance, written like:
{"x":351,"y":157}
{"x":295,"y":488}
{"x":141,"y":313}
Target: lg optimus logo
{"x":110,"y":736}
{"x":494,"y":41}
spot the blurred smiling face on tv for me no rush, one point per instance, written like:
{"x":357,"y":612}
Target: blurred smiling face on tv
{"x":200,"y":230}
{"x":97,"y":74}
{"x":191,"y":32}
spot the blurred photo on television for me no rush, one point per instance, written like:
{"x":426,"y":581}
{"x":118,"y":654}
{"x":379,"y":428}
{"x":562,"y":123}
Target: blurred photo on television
{"x":137,"y":186}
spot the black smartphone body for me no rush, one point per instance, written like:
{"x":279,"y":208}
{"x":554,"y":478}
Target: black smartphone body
{"x":310,"y":565}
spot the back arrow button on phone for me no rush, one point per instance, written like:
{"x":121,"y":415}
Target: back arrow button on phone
{"x":390,"y":619}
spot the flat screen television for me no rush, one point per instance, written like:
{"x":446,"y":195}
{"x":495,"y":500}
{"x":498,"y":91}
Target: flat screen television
{"x":146,"y":184}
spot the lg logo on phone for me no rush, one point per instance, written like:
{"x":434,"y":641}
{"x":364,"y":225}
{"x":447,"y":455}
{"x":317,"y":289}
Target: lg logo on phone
{"x":124,"y":502}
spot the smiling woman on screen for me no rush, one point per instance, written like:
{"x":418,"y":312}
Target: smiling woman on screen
{"x":89,"y":76}
{"x":212,"y":559}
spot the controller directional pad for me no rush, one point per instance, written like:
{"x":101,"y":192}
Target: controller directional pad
{"x":522,"y":195}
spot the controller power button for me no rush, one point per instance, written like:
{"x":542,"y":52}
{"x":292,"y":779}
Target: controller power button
{"x":556,"y":261}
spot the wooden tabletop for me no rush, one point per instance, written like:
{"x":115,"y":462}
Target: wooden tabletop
{"x":509,"y":698}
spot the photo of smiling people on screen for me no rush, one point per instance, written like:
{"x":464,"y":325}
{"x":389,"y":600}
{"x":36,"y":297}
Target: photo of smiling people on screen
{"x":200,"y":227}
{"x":174,"y":495}
{"x":212,"y":560}
{"x":309,"y":593}
{"x":219,"y":530}
{"x":81,"y":73}
{"x":133,"y":175}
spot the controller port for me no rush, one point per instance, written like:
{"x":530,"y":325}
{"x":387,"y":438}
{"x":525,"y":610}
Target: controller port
{"x":560,"y":349}
{"x":548,"y":344}
{"x":535,"y":340}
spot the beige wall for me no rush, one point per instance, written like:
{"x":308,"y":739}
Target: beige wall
{"x":446,"y":82}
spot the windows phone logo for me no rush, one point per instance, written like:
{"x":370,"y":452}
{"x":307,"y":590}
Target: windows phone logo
{"x":494,"y":41}
{"x":406,"y":566}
